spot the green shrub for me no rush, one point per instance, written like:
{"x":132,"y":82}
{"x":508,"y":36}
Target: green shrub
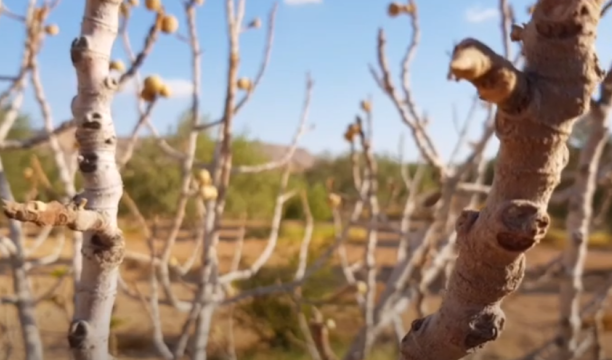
{"x":273,"y":317}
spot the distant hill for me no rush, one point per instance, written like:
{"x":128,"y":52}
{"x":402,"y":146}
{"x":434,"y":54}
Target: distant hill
{"x":302,"y":159}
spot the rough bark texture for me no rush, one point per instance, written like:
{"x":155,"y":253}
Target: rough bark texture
{"x":536,"y":111}
{"x":103,"y":248}
{"x":578,"y":222}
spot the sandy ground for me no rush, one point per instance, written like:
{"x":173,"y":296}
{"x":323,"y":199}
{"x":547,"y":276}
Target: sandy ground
{"x":531,"y":317}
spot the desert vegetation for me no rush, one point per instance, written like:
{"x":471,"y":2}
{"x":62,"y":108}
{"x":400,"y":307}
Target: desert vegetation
{"x":202,"y":242}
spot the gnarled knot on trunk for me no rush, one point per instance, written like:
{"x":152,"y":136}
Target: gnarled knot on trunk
{"x":485,"y":326}
{"x":92,"y":121}
{"x":510,"y":122}
{"x":562,"y":20}
{"x":555,"y":30}
{"x":88,"y":162}
{"x":416,"y":326}
{"x":522,"y":224}
{"x":111,"y":83}
{"x":78,"y":47}
{"x":108,"y":250}
{"x":78,"y":335}
{"x":465,"y":221}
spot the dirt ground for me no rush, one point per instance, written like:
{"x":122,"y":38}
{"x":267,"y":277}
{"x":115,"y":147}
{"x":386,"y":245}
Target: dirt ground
{"x":531,"y":316}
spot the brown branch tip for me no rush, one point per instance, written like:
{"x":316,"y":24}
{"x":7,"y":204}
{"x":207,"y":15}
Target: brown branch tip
{"x":494,"y":77}
{"x":73,"y":215}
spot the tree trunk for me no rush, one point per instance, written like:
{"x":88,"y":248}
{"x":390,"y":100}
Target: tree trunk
{"x":536,"y":110}
{"x":102,"y":249}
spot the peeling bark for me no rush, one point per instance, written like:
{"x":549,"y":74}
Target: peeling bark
{"x":536,"y":109}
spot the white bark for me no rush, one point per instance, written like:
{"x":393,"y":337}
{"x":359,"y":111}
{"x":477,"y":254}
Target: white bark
{"x":102,"y":248}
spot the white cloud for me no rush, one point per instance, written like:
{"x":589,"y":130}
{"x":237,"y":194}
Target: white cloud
{"x":479,"y":14}
{"x":302,"y":2}
{"x":180,"y":88}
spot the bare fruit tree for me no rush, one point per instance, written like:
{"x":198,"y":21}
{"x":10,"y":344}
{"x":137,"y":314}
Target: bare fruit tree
{"x":470,"y":315}
{"x":94,"y":211}
{"x":533,"y":130}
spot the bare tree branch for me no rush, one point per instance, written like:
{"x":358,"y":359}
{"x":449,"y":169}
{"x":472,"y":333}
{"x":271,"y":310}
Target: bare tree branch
{"x":408,"y":113}
{"x":264,"y":62}
{"x":301,"y":130}
{"x":13,"y":144}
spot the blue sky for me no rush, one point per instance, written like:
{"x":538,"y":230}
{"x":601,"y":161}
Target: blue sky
{"x":333,"y":39}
